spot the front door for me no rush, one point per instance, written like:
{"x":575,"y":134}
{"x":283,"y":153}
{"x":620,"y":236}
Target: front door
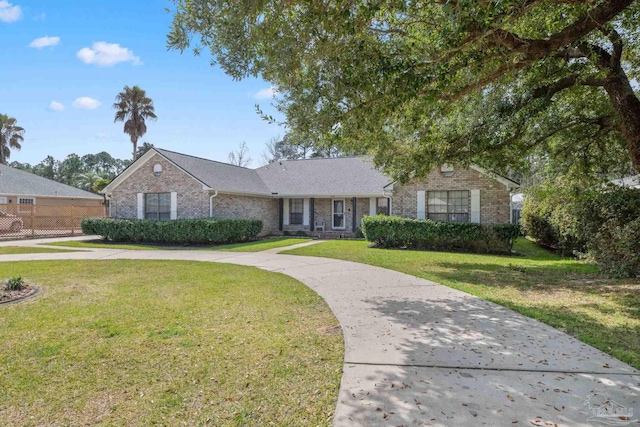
{"x":338,"y":214}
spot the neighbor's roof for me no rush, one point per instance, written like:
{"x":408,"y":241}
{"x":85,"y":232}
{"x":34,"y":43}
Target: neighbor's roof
{"x":20,"y":183}
{"x":340,"y":176}
{"x":629,"y":181}
{"x":217,"y":175}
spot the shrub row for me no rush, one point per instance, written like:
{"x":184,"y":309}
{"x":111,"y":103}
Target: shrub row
{"x":396,"y":232}
{"x":199,"y":231}
{"x":602,"y":224}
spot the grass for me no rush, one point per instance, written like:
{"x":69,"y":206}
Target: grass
{"x":560,"y":292}
{"x":262,"y":245}
{"x":253,"y":246}
{"x":166,"y":343}
{"x":11,"y":250}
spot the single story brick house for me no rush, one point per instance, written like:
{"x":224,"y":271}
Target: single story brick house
{"x":324,"y":196}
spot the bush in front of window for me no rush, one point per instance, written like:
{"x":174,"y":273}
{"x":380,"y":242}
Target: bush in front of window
{"x":180,"y":231}
{"x":396,"y":232}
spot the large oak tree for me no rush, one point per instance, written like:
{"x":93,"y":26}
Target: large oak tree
{"x":421,"y":83}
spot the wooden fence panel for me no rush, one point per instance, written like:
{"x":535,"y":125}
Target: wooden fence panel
{"x":24,"y":221}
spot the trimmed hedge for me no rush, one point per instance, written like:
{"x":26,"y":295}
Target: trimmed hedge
{"x":180,"y":231}
{"x":396,"y":232}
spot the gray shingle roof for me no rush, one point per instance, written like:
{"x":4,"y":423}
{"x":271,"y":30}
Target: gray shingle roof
{"x":341,"y":176}
{"x":217,"y":175}
{"x":17,"y":182}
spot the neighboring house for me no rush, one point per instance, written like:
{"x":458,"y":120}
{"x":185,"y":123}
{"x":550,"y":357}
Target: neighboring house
{"x":328,"y":195}
{"x":18,"y":187}
{"x":629,"y":181}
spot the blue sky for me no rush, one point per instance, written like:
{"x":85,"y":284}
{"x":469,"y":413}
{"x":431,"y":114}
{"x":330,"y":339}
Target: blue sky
{"x":74,"y":53}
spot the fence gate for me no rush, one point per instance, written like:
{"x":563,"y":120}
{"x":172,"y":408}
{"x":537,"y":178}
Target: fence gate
{"x":18,"y":221}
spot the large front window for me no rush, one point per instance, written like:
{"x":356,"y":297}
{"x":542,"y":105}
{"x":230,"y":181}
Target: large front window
{"x":296,"y":207}
{"x":157,"y":206}
{"x":448,"y":206}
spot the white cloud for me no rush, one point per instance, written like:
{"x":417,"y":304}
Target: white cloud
{"x":106,"y":54}
{"x":56,"y":106}
{"x":86,"y":103}
{"x":9,"y":12}
{"x":45,"y":41}
{"x":266,"y":93}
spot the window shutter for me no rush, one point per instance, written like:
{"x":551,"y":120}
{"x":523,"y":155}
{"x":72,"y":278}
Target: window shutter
{"x":421,"y":204}
{"x":285,"y":212}
{"x":140,"y":206}
{"x":373,"y":204}
{"x":305,"y":212}
{"x":174,"y":205}
{"x":475,"y":206}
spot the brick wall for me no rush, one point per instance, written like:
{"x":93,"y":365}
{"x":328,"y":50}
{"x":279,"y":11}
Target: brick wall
{"x":234,"y":206}
{"x":193,"y":201}
{"x":494,"y":196}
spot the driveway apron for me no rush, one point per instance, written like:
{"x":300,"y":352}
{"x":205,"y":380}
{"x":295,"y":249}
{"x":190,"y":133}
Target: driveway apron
{"x":419,"y":353}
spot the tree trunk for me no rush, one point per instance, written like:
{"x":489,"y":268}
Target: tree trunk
{"x":134,"y":140}
{"x":627,"y":104}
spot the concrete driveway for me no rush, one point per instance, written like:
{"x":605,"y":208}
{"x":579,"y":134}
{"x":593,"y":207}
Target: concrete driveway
{"x":419,"y":353}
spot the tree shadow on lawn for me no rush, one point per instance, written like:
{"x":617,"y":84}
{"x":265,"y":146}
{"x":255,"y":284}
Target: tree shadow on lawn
{"x":468,"y":362}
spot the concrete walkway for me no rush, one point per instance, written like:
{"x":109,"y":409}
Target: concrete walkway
{"x":419,"y":353}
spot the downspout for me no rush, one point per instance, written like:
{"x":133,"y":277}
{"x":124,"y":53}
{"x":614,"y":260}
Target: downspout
{"x":107,"y":204}
{"x":211,"y":196}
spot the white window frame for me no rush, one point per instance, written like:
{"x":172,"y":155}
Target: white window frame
{"x":334,"y":213}
{"x":292,"y":202}
{"x":22,"y":210}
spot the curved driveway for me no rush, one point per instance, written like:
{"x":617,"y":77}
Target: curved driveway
{"x":419,"y":353}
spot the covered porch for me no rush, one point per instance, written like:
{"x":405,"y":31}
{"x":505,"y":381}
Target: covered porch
{"x":337,"y":216}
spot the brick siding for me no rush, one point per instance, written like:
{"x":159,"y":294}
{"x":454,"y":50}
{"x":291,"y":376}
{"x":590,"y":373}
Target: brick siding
{"x":234,"y":206}
{"x":193,"y":201}
{"x":494,"y":196}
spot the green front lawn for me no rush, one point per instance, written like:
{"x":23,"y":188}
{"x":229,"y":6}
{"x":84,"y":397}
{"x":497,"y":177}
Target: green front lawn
{"x":166,"y":343}
{"x":262,"y":245}
{"x":253,"y":246}
{"x":561,"y":292}
{"x":11,"y":250}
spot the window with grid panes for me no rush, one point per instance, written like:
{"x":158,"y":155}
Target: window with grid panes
{"x":296,"y":207}
{"x":157,"y":206}
{"x":448,"y":205}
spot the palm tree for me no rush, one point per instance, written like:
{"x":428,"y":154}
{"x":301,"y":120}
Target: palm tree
{"x":10,"y":137}
{"x":87,"y":180}
{"x":133,"y":108}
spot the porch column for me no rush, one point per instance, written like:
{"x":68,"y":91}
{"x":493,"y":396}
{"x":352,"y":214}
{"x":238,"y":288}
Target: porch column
{"x":353,"y":210}
{"x":373,"y":204}
{"x":285,"y":212}
{"x":312,"y":214}
{"x":280,"y":213}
